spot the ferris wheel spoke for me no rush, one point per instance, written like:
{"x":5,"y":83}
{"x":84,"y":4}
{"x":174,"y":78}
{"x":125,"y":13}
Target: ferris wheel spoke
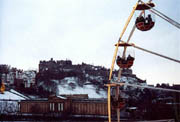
{"x":157,"y":54}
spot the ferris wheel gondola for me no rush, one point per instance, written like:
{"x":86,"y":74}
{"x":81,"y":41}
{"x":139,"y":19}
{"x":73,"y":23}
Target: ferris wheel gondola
{"x":143,"y":22}
{"x":123,"y":61}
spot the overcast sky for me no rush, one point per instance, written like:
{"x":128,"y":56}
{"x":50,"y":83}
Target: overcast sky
{"x":86,"y":31}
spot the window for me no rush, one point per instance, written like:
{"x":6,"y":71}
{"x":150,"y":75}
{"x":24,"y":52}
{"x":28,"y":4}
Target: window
{"x":51,"y":106}
{"x":19,"y":106}
{"x":60,"y":106}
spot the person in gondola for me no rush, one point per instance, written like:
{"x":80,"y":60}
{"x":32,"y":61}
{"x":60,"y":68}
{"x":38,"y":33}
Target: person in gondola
{"x":146,"y":21}
{"x":140,"y":19}
{"x":119,"y":58}
{"x":130,"y":57}
{"x":137,"y":20}
{"x":149,"y":18}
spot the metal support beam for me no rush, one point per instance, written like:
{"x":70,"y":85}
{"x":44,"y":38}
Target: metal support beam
{"x":109,"y":102}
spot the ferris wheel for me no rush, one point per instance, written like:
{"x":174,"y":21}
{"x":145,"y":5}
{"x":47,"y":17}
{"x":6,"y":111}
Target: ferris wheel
{"x":144,"y":22}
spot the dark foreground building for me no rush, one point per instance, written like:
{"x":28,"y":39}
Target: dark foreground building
{"x":58,"y":105}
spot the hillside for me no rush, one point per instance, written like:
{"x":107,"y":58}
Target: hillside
{"x":61,"y":77}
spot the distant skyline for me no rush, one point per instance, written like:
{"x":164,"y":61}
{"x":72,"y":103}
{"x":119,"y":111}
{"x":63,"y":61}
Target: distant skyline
{"x":86,"y":31}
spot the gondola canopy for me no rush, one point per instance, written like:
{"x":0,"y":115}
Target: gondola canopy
{"x":145,"y":6}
